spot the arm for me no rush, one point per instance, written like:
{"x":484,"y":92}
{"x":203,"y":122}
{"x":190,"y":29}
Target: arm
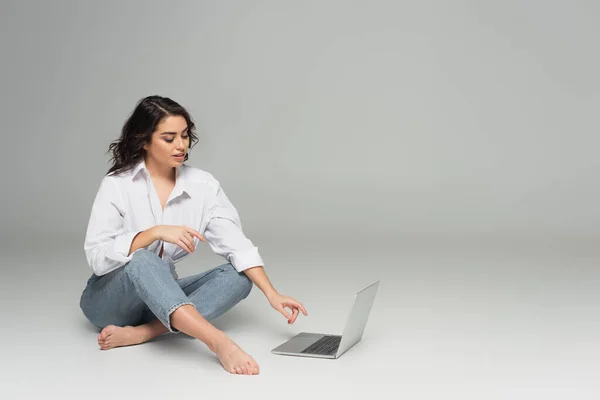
{"x":143,"y":239}
{"x":259,"y":277}
{"x":224,"y":232}
{"x":225,"y":236}
{"x":107,"y":246}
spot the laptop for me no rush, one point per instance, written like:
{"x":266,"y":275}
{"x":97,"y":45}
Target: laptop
{"x":321,"y":345}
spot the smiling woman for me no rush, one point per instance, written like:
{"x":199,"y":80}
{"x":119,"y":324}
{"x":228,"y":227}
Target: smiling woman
{"x":151,"y":211}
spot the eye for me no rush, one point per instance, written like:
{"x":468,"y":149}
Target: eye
{"x":171,"y":140}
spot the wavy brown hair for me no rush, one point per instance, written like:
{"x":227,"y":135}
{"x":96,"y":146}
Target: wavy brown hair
{"x":128,"y":149}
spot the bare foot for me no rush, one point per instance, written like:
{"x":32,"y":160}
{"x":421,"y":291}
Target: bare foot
{"x":114,"y":336}
{"x":234,"y":360}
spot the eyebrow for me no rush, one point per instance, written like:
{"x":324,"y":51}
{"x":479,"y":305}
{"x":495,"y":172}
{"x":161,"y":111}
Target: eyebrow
{"x":173,"y":133}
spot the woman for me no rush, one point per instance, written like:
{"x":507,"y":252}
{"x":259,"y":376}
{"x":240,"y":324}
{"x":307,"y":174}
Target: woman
{"x":151,"y":211}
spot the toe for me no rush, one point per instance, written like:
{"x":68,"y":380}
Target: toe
{"x":250,"y":367}
{"x":253,"y":367}
{"x":105,"y":343}
{"x":104,"y":333}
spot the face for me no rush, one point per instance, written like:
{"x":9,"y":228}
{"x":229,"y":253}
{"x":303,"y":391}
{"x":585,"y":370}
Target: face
{"x":169,"y":143}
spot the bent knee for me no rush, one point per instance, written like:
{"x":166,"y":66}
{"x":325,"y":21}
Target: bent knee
{"x":246,"y":285}
{"x":145,"y":258}
{"x":144,"y":255}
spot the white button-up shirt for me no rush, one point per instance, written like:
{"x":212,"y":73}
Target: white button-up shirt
{"x":127,"y":204}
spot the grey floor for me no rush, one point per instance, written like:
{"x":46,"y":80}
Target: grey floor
{"x":461,"y":319}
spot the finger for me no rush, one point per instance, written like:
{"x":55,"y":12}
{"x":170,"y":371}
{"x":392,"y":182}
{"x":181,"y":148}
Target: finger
{"x":196,"y":233}
{"x":294,"y":315}
{"x":283,"y":312}
{"x":295,"y":304}
{"x":189,"y":241}
{"x":291,"y":309}
{"x":301,"y":307}
{"x":183,"y":245}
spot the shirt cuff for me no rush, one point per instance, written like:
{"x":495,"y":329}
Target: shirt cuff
{"x":123,"y":244}
{"x":247,"y":259}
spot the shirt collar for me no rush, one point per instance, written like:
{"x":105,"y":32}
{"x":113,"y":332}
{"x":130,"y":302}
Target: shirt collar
{"x":181,"y":184}
{"x":141,"y":165}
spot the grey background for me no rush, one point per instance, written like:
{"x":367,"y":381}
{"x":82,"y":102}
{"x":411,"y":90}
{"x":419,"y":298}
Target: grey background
{"x":354,"y":117}
{"x":447,"y":148}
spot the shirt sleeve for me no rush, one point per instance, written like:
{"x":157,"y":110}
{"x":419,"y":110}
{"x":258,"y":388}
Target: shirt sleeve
{"x":106,"y":243}
{"x":225,"y":236}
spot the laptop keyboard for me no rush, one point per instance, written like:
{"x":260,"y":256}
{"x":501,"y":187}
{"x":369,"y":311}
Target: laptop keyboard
{"x":327,"y":345}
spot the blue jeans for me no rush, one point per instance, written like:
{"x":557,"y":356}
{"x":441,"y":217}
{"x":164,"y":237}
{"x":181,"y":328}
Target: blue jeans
{"x":144,"y":289}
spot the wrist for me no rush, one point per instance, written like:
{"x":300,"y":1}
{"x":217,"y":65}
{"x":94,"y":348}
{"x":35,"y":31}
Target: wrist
{"x":155,"y":232}
{"x":270,"y":293}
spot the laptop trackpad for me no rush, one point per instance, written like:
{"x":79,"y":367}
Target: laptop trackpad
{"x":299,"y":342}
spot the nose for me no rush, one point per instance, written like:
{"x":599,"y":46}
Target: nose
{"x":180,"y":143}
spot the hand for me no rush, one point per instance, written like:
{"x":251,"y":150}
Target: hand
{"x":179,"y":235}
{"x":280,"y":303}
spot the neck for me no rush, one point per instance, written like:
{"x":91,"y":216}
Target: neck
{"x":160,"y":171}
